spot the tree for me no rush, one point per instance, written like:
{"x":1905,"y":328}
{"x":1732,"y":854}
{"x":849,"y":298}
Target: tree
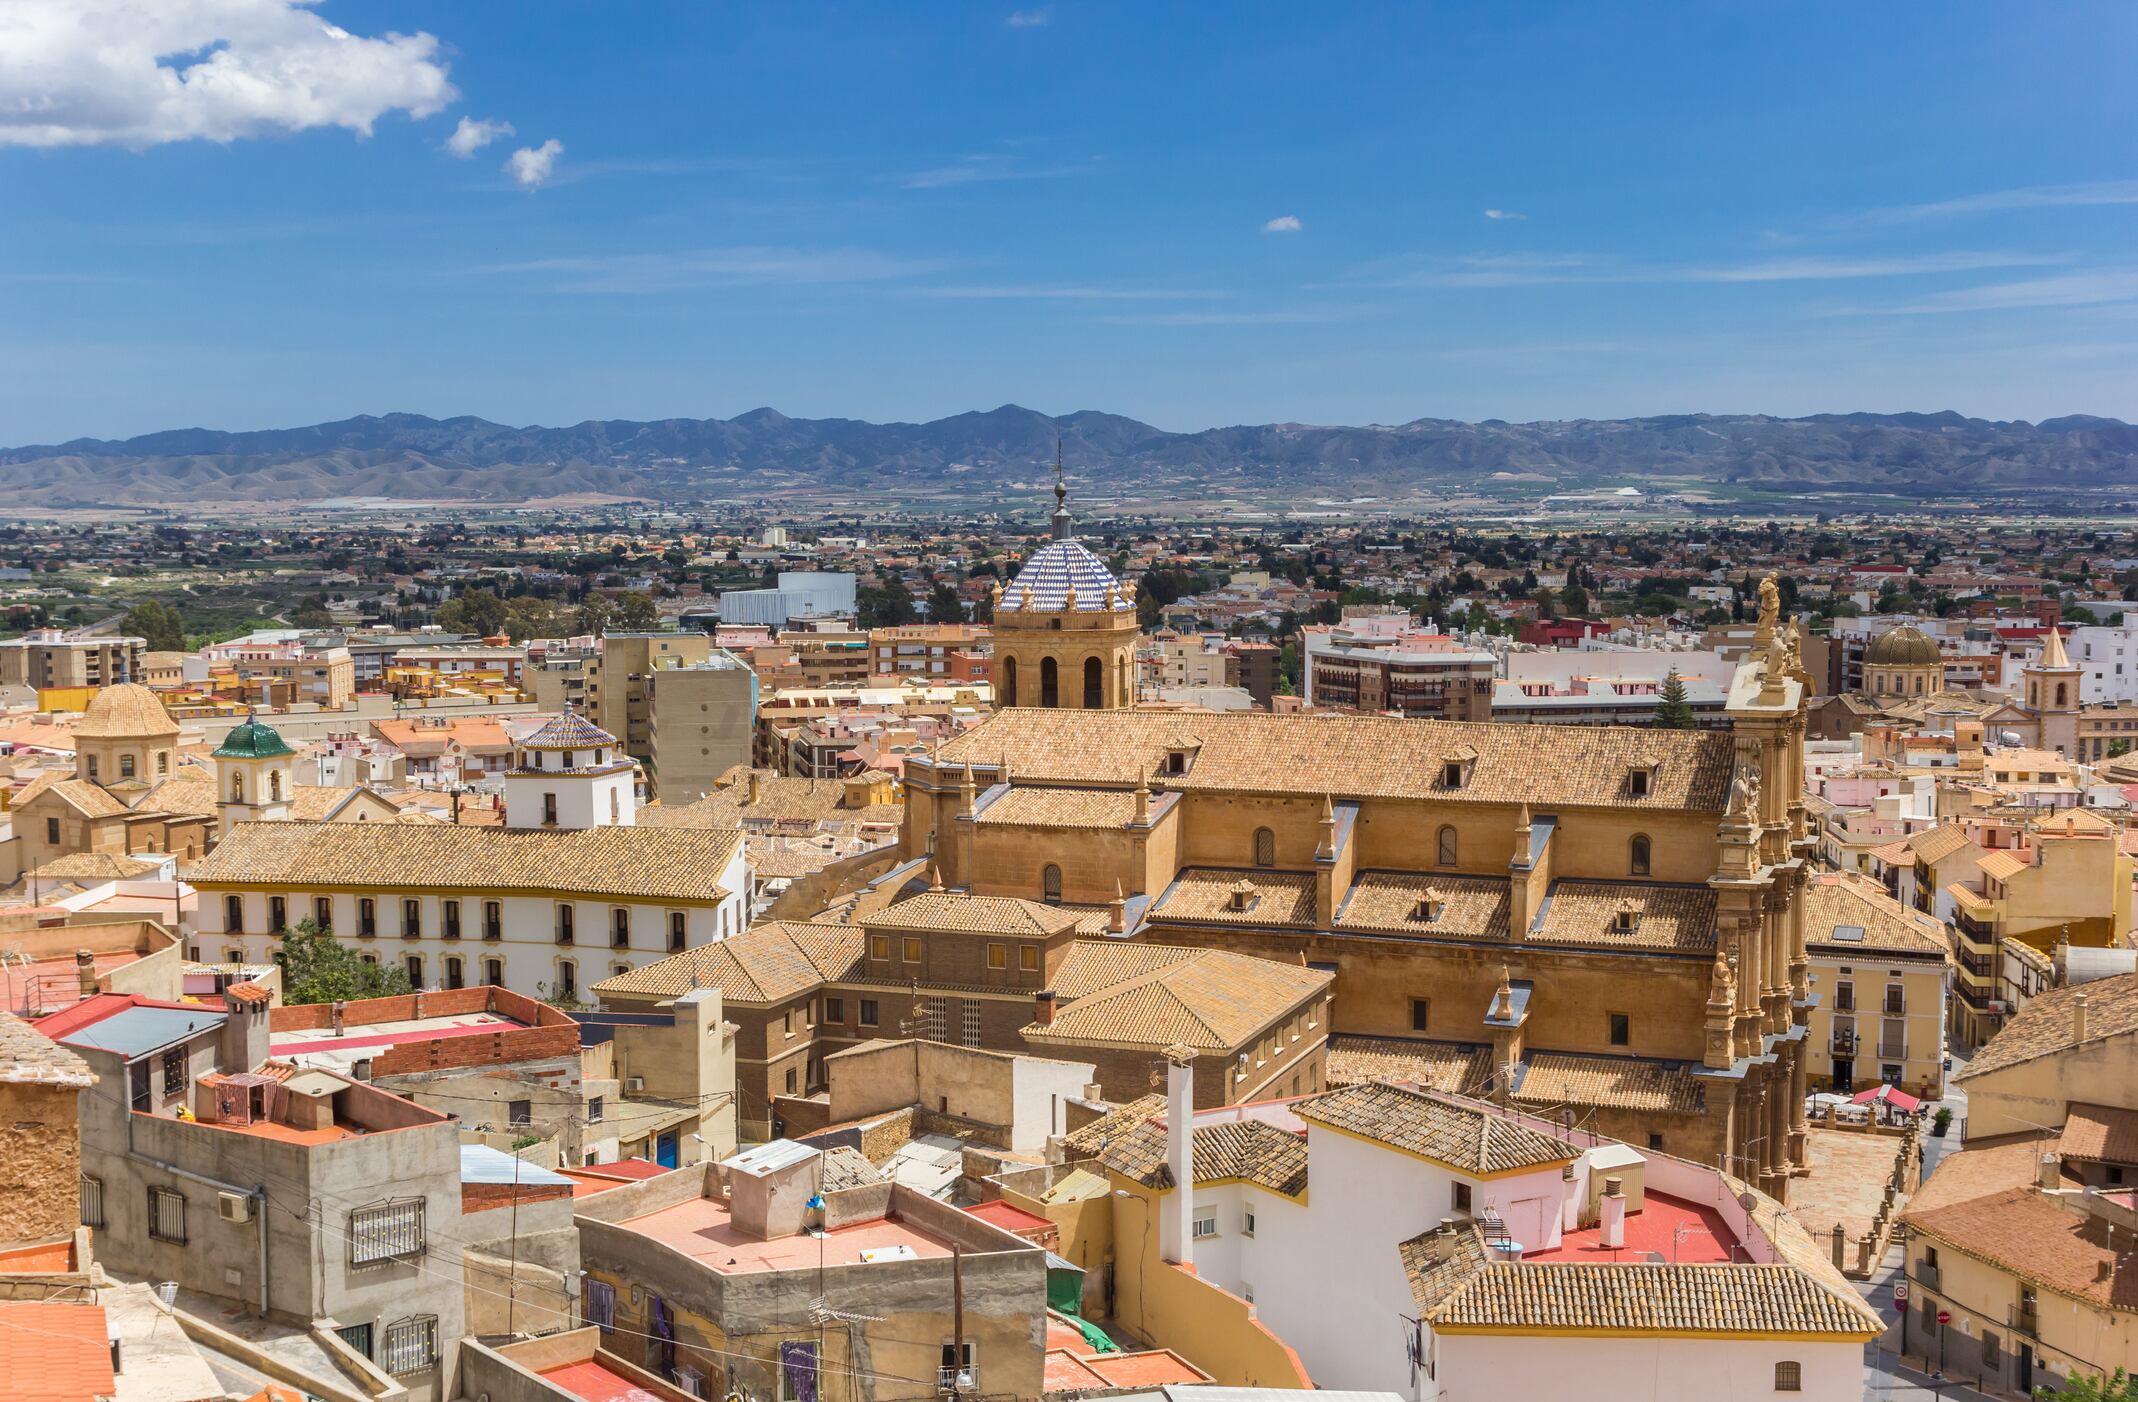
{"x":163,"y":626}
{"x":1547,"y":603}
{"x":529,"y":617}
{"x":594,"y":615}
{"x":886,"y":605}
{"x":2118,"y":1386}
{"x":944,"y":605}
{"x":478,"y":611}
{"x":1574,"y":601}
{"x":317,"y":968}
{"x":636,"y":611}
{"x":1673,"y":711}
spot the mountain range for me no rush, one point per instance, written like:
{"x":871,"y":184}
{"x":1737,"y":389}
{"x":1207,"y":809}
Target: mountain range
{"x":409,"y":457}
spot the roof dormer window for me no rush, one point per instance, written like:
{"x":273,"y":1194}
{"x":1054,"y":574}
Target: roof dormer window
{"x":1640,"y":780}
{"x":1241,"y":897}
{"x":1430,"y":906}
{"x":1626,"y":919}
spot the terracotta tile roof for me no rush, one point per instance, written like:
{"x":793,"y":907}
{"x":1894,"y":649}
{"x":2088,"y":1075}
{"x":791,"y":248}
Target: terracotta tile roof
{"x":957,"y":910}
{"x":1456,"y":1288}
{"x":643,"y":864}
{"x":52,"y":1352}
{"x":1034,"y":807}
{"x":1386,"y":902}
{"x":770,"y":962}
{"x":2100,"y":1134}
{"x":1665,"y":917}
{"x":93,"y":866}
{"x":1202,"y":998}
{"x":779,"y":798}
{"x":126,"y":711}
{"x":1940,"y":842}
{"x":30,"y":1058}
{"x":2003,"y":865}
{"x":1849,"y":899}
{"x":1983,"y":1201}
{"x":1897,"y":853}
{"x":1204,"y":895}
{"x":1356,"y":756}
{"x":1444,"y":1066}
{"x":1620,"y":1083}
{"x":1253,"y":1151}
{"x":1087,"y":1140}
{"x":2044,"y":1025}
{"x":81,"y":795}
{"x":1464,"y":1137}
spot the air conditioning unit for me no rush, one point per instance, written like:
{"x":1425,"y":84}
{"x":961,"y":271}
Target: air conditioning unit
{"x":635,"y":1085}
{"x":234,"y":1207}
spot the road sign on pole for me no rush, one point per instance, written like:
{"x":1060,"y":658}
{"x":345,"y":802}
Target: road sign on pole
{"x":1944,"y":1316}
{"x":1900,"y":1292}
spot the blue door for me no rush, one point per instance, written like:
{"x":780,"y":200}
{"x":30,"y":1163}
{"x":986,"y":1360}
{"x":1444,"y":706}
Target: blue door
{"x":664,"y":1150}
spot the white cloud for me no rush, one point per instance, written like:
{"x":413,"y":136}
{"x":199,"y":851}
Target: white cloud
{"x":2091,"y":192}
{"x":1504,"y":214}
{"x":1030,"y":19}
{"x":1041,"y":292}
{"x":686,"y":269}
{"x":473,"y":134}
{"x":973,"y":170}
{"x":2099,"y":287}
{"x":139,"y":73}
{"x":532,"y":166}
{"x":1542,"y":269}
{"x":1282,"y":224}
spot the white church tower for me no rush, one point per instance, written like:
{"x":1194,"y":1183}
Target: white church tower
{"x":255,"y":775}
{"x":571,"y":774}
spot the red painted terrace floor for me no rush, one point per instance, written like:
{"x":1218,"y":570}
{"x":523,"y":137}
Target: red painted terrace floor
{"x":1684,"y":1232}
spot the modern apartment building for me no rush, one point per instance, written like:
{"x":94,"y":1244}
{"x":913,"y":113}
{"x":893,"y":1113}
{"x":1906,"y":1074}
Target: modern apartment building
{"x":702,"y":720}
{"x":1382,"y":661}
{"x":51,"y":657}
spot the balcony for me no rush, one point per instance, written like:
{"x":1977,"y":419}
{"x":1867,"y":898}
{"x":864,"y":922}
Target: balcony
{"x":1844,"y":1043}
{"x":564,"y":937}
{"x":493,"y":932}
{"x":1926,"y":1275}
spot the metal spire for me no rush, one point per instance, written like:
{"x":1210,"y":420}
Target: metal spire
{"x":1061,"y":491}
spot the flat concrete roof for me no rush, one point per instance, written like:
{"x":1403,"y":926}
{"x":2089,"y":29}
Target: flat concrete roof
{"x":704,"y":1229}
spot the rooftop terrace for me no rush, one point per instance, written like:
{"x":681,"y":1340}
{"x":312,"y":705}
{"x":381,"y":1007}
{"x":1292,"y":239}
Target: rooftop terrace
{"x":705,"y":1230}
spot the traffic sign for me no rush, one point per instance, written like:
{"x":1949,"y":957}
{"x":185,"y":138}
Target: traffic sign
{"x":1944,"y":1316}
{"x":1900,"y":1292}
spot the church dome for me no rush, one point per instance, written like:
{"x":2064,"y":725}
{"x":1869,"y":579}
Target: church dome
{"x":128,"y":711}
{"x":569,"y":731}
{"x":1905,"y":646}
{"x":252,"y":740}
{"x":1049,"y":576}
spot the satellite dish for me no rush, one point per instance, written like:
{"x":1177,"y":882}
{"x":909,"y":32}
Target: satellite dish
{"x":1748,"y":1199}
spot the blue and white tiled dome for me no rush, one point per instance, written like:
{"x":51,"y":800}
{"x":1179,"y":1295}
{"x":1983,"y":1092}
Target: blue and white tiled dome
{"x":1049,"y":576}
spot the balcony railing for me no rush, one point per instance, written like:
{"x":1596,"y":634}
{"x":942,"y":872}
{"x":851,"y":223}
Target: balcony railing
{"x":1844,"y":1044}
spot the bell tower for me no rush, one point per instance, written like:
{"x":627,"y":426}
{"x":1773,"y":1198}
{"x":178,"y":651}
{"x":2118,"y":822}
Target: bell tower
{"x":2053,"y":686}
{"x":1065,"y":630}
{"x":254,"y":775}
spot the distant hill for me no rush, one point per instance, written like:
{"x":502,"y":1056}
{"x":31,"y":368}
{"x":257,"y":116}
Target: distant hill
{"x":409,"y":457}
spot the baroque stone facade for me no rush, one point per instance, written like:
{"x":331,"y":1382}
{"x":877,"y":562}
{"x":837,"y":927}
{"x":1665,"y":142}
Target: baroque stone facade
{"x":1606,"y":925}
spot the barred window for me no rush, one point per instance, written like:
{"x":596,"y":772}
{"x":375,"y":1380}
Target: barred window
{"x":389,"y":1231}
{"x":167,"y":1214}
{"x":599,"y":1306}
{"x":411,"y":1344}
{"x":92,"y":1201}
{"x":1788,"y":1377}
{"x":174,"y":1070}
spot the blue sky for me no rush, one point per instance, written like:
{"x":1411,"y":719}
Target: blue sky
{"x":906,"y":211}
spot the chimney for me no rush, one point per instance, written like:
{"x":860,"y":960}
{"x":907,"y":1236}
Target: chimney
{"x":2049,"y":1173}
{"x":1176,"y":1235}
{"x":340,"y":1008}
{"x":1614,"y":1213}
{"x":1117,"y":912}
{"x":1043,"y":1007}
{"x":2078,"y":1016}
{"x":85,"y":970}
